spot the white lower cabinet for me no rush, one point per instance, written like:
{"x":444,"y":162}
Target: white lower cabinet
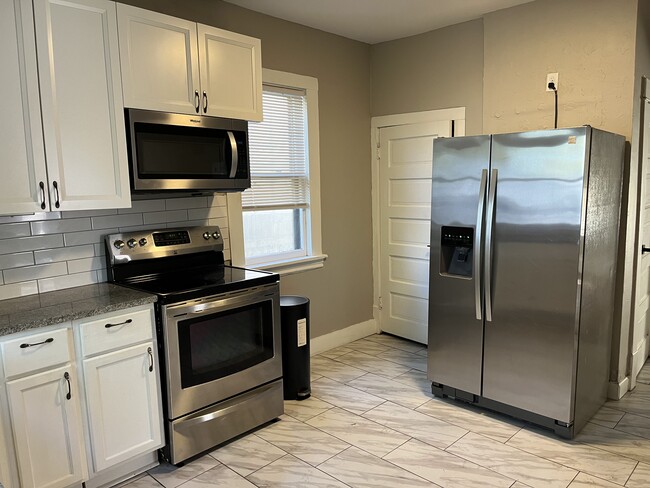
{"x":46,"y":423}
{"x":122,"y":398}
{"x":87,"y":410}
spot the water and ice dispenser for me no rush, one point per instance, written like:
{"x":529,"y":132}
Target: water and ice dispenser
{"x":457,"y":251}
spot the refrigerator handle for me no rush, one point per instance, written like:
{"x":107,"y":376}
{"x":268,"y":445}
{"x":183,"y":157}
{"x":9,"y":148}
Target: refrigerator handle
{"x":478,"y":240}
{"x":492,"y":193}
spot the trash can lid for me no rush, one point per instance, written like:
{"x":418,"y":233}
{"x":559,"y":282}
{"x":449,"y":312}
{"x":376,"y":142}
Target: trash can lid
{"x":292,"y":300}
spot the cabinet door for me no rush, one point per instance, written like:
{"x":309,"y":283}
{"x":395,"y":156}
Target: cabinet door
{"x":231,"y":74}
{"x":123,"y":404}
{"x":21,"y":141}
{"x":47,"y":429}
{"x":159,"y":59}
{"x":83,"y":115}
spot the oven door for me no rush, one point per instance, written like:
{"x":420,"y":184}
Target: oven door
{"x":221,"y":346}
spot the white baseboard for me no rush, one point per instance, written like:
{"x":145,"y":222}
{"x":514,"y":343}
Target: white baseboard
{"x":342,"y":337}
{"x":615,"y":391}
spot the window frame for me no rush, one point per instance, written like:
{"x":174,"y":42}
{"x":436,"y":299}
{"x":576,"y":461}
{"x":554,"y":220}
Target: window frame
{"x":314,"y":257}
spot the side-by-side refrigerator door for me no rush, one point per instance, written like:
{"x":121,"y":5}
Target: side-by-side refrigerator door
{"x":532,"y":254}
{"x":458,"y":197}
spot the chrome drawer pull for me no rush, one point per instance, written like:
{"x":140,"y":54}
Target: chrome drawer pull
{"x":127,"y":321}
{"x":46,"y":341}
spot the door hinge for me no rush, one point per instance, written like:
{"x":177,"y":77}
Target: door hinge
{"x":378,"y":152}
{"x":381,"y":304}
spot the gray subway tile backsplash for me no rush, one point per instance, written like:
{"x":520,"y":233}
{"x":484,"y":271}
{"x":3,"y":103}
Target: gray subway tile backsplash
{"x":59,"y":226}
{"x":49,"y":251}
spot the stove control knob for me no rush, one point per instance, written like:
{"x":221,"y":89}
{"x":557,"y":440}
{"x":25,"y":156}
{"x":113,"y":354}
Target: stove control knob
{"x":206,"y":235}
{"x":216,"y":235}
{"x":119,"y":244}
{"x":143,"y":241}
{"x":131,"y":243}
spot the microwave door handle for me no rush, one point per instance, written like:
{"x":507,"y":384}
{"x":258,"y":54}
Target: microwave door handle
{"x":235,"y":154}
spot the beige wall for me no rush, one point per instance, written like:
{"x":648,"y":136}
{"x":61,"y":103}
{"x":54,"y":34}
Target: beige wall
{"x":438,"y":69}
{"x":341,"y":292}
{"x":590,"y":43}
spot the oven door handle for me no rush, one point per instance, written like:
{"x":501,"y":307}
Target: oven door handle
{"x":199,"y":419}
{"x":223,"y":302}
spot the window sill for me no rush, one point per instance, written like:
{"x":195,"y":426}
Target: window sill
{"x":292,"y":266}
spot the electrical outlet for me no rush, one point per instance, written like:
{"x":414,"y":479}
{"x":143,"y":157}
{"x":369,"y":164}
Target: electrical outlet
{"x":551,"y":78}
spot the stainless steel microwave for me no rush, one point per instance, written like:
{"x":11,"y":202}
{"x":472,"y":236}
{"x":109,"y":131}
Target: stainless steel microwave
{"x":178,"y":152}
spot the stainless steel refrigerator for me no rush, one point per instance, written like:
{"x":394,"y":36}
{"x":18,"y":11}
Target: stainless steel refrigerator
{"x":524,"y":236}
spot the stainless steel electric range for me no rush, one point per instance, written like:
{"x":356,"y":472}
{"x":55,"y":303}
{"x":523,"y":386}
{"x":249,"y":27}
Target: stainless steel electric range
{"x":218,"y":332}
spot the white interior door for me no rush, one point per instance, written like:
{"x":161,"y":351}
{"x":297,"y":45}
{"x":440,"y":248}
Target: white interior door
{"x":640,"y":343}
{"x":405,"y":153}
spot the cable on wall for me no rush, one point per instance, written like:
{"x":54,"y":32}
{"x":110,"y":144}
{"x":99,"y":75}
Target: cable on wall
{"x":553,"y":88}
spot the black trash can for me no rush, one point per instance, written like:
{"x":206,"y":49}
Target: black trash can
{"x":294,"y":311}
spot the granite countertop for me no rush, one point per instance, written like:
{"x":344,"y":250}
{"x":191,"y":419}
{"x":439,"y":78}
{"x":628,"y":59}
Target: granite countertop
{"x":34,"y":311}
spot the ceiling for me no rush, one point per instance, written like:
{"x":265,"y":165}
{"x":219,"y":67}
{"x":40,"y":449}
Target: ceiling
{"x":374,"y":21}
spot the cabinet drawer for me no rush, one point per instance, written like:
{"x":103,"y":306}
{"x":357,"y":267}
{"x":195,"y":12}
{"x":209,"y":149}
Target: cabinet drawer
{"x":45,"y":349}
{"x":114,"y":331}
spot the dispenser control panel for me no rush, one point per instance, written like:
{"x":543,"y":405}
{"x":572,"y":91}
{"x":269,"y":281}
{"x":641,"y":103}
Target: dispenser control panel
{"x":457,"y":249}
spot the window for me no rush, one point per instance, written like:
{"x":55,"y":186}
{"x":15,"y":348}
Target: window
{"x":280,"y":213}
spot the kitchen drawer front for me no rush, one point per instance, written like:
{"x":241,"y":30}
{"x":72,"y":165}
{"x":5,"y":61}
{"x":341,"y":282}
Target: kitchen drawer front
{"x":115,"y":331}
{"x":45,"y":350}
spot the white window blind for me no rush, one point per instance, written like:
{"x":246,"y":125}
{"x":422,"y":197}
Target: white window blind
{"x":278,"y":152}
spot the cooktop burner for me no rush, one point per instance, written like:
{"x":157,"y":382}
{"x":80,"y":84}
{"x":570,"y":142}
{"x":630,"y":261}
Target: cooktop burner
{"x":177,"y":264}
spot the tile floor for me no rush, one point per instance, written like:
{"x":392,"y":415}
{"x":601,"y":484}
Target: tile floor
{"x":372,"y":422}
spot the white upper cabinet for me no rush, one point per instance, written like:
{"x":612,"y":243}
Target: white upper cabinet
{"x":231,"y":74}
{"x":159,"y":56}
{"x":174,"y":65}
{"x":21,"y":143}
{"x":81,"y":99}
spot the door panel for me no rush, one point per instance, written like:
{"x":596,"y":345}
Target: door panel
{"x":640,"y":343}
{"x":123,"y":404}
{"x":405,"y":210}
{"x":81,"y":95}
{"x":47,"y":429}
{"x":455,"y":332}
{"x":231,"y":73}
{"x":530,"y":342}
{"x":159,"y":59}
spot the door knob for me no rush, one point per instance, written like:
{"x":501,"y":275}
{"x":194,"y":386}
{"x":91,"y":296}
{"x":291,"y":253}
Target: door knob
{"x":644,"y":249}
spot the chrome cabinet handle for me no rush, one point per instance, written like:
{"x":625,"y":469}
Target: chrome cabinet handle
{"x":489,"y":244}
{"x":56,"y":190}
{"x":46,"y":341}
{"x":150,"y":359}
{"x":205,"y":102}
{"x":235,"y":154}
{"x":41,"y":185}
{"x":644,"y":249}
{"x":197,"y":101}
{"x":66,"y":376}
{"x":478,"y":250}
{"x":127,"y":321}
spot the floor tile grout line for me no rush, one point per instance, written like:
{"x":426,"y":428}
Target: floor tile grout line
{"x":572,"y":467}
{"x":628,"y":478}
{"x":267,"y":464}
{"x":525,"y":452}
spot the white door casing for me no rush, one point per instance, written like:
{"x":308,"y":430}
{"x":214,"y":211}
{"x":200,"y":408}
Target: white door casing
{"x":401,"y":210}
{"x":639,"y":343}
